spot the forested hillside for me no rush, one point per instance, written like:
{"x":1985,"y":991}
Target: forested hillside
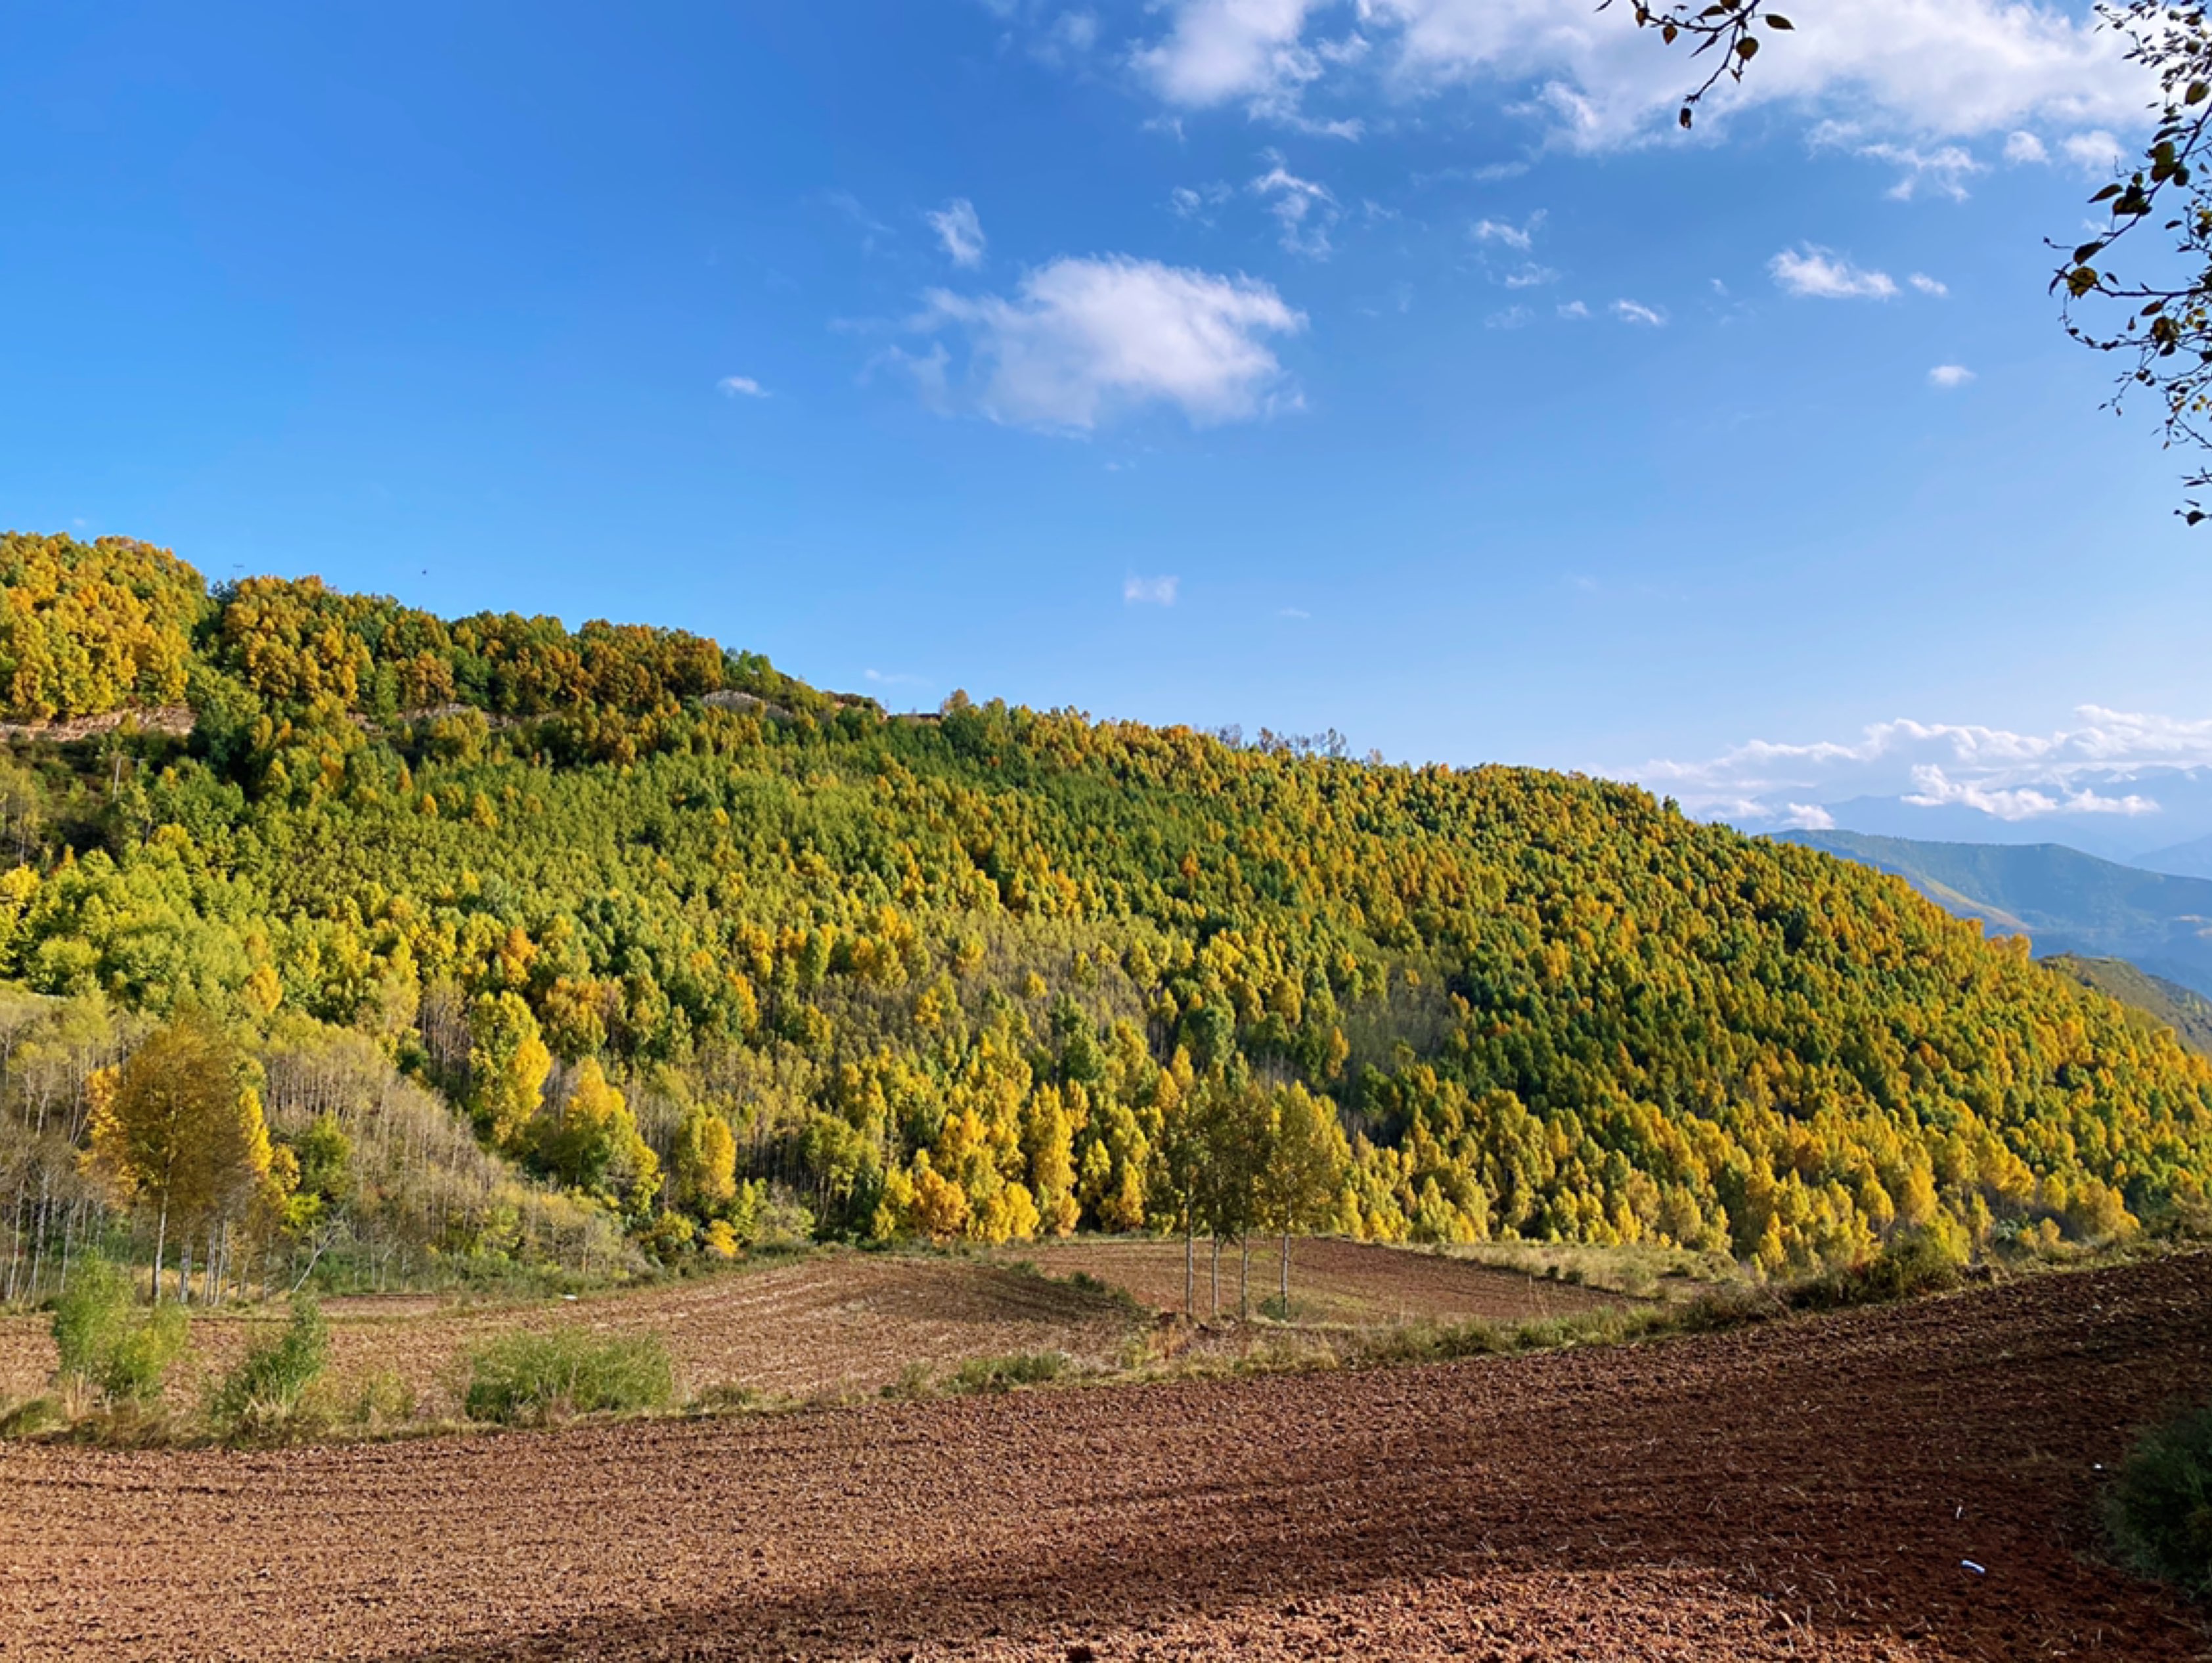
{"x":2064,"y":901}
{"x":516,"y":943}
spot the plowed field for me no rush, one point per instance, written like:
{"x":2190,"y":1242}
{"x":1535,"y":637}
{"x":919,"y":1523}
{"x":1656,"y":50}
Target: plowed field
{"x":833,"y":1323}
{"x":844,"y":1323}
{"x":1356,"y":1283}
{"x":1804,"y":1489}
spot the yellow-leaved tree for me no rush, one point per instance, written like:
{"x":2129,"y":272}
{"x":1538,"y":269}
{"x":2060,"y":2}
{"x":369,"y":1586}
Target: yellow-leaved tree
{"x":507,"y":1065}
{"x":178,"y":1131}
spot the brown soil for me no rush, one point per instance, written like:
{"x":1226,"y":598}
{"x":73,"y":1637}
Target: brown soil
{"x":1805,"y":1489}
{"x":1355,"y":1283}
{"x":828,"y":1324}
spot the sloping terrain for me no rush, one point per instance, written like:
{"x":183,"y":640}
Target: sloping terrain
{"x":2184,"y":1011}
{"x":837,"y":1323}
{"x":2064,"y":901}
{"x":1814,"y":1488}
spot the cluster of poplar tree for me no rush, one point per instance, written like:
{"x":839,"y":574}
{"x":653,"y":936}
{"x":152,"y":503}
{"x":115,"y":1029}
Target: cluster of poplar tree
{"x":605,"y":942}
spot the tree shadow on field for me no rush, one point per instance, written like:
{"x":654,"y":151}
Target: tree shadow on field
{"x":1833,"y":1474}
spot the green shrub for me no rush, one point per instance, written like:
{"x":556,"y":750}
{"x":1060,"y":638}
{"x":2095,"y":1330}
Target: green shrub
{"x":384,"y":1399}
{"x":1004,"y":1373}
{"x":567,"y":1371}
{"x":275,"y":1374}
{"x":139,"y":1365}
{"x":2159,"y":1507}
{"x":916,"y":1380}
{"x":90,"y":1314}
{"x":1912,"y":1262}
{"x":30,"y":1417}
{"x":107,"y":1342}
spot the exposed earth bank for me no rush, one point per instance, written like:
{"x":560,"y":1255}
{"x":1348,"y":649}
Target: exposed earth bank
{"x":1809,"y":1488}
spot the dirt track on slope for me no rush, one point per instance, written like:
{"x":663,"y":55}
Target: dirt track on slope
{"x":1360,"y":1283}
{"x":1805,"y":1489}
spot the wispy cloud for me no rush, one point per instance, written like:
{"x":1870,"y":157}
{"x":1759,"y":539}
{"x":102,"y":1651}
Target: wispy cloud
{"x":960,"y":230}
{"x":1520,"y":238}
{"x":1634,"y":312}
{"x":1950,"y":376}
{"x":1150,"y":592}
{"x":1190,"y":202}
{"x":1932,"y":286}
{"x":2024,"y":148}
{"x":1305,"y":211}
{"x":740,"y":386}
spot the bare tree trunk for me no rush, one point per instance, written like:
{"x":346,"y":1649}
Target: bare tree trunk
{"x":1216,"y":1276}
{"x":1189,"y":1267}
{"x":160,"y":1247}
{"x":1286,"y":1277}
{"x":1244,"y":1278}
{"x":184,"y":1271}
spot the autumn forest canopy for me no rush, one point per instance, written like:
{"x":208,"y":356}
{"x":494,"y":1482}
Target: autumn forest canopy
{"x":340,"y":936}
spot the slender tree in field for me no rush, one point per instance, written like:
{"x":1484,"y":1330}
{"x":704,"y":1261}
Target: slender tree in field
{"x":1307,"y":1159}
{"x":1239,"y":1122}
{"x":178,"y":1131}
{"x":1180,"y":1154}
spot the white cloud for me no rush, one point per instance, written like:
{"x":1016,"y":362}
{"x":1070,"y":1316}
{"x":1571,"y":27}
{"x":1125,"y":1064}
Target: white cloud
{"x":1808,"y":816}
{"x":1304,"y":210}
{"x":1293,"y":612}
{"x":1531,"y":276}
{"x":1816,"y":273}
{"x":1574,"y":309}
{"x":1908,"y":67}
{"x":2024,"y":148}
{"x":740,"y":386}
{"x":1634,"y":312}
{"x":960,"y":230}
{"x":1513,"y":317}
{"x":1087,"y":339}
{"x":1150,"y":592}
{"x":2107,"y":764}
{"x":1949,"y":376}
{"x":1934,"y":789}
{"x":1220,"y":50}
{"x":2097,"y":152}
{"x":1929,"y":286}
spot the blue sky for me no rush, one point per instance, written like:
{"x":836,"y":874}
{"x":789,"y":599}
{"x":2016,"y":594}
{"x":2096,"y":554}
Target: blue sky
{"x":1389,"y":368}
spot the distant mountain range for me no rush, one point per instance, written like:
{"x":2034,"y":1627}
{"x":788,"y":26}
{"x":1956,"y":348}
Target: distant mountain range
{"x":2189,"y":859}
{"x":2066,"y":903}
